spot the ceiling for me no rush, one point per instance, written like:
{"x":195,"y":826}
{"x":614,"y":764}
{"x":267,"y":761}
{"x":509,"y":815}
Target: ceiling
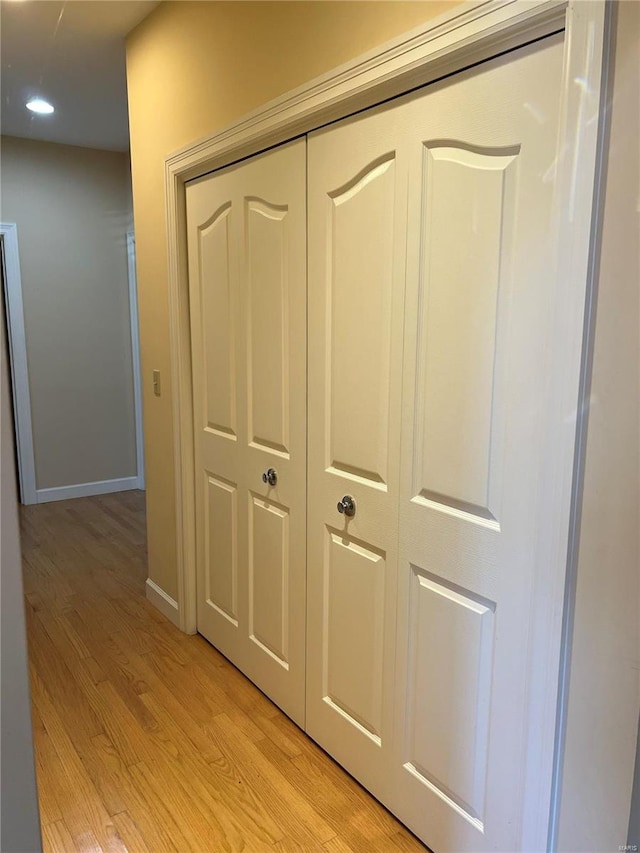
{"x":72,"y":54}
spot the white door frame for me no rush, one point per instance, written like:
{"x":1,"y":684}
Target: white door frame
{"x":468,"y":34}
{"x":20,"y":371}
{"x":18,"y":363}
{"x":135,"y":356}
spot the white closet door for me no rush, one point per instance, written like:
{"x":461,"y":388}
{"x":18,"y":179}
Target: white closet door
{"x":247,"y":271}
{"x":456,"y":183}
{"x":357,"y":225}
{"x":480,"y":314}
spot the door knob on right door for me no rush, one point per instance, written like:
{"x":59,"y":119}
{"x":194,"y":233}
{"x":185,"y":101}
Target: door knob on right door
{"x":347,"y":506}
{"x":270,"y":477}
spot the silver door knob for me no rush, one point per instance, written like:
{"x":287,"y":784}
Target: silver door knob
{"x":347,"y":506}
{"x":270,"y":476}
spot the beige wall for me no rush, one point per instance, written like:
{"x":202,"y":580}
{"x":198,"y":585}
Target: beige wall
{"x":601,"y":734}
{"x":193,"y":68}
{"x":72,"y":207}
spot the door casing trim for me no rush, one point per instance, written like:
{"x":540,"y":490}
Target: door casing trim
{"x":135,"y":356}
{"x":18,"y":364}
{"x":471,"y":33}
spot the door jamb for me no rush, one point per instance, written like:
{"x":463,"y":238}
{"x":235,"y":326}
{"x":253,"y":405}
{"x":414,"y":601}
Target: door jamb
{"x":18,"y":363}
{"x":470,"y":34}
{"x":135,"y":356}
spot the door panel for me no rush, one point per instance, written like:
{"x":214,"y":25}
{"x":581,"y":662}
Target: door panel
{"x":361,"y":274}
{"x":246,"y":230}
{"x":221,"y":547}
{"x":218,"y":299}
{"x":468,"y":197}
{"x":450,"y":653}
{"x":214,"y":298}
{"x":353,"y":653}
{"x":268,"y":337}
{"x":357,"y":224}
{"x":458,"y":180}
{"x":269,"y":578}
{"x":480,"y":308}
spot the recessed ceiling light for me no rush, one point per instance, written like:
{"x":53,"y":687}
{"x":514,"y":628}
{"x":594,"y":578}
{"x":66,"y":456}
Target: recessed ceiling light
{"x":37,"y":105}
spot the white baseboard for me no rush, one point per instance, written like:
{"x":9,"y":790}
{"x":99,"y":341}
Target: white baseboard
{"x":165,"y":604}
{"x":86,"y":490}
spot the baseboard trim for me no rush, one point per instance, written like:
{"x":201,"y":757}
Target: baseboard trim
{"x":86,"y":490}
{"x":163,"y":602}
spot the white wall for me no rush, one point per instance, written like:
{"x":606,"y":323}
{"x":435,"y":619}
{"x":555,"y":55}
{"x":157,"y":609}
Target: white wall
{"x":19,"y":818}
{"x":604,"y":683}
{"x":72,"y":207}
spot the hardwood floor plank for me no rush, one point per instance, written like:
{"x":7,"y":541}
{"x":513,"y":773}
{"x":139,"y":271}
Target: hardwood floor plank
{"x":150,"y":741}
{"x":286,"y":739}
{"x":60,"y":682}
{"x":141,"y":612}
{"x":130,"y":833}
{"x":302,"y":823}
{"x":45,"y":588}
{"x":46,"y":763}
{"x":188,"y":830}
{"x":177,"y":704}
{"x":104,"y":782}
{"x":405,"y":840}
{"x":93,"y":669}
{"x":84,"y":813}
{"x":326,"y":770}
{"x":203,"y":701}
{"x":56,"y":838}
{"x":83,"y":743}
{"x":154,"y":820}
{"x":239,"y":702}
{"x":124,"y":678}
{"x":121,"y":726}
{"x":337,"y":845}
{"x":288,"y":845}
{"x":222,"y":787}
{"x":68,"y":641}
{"x":339,"y":809}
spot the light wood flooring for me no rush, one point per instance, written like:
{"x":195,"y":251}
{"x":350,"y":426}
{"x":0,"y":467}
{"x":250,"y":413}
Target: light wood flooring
{"x":149,"y":740}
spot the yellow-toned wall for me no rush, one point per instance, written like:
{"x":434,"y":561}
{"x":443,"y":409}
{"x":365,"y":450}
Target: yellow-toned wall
{"x":192,"y":68}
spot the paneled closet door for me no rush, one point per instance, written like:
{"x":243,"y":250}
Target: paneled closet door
{"x":357,"y":234}
{"x":247,"y":271}
{"x":481,"y":313}
{"x":456,"y":182}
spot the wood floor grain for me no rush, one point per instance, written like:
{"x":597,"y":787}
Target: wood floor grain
{"x":148,"y":740}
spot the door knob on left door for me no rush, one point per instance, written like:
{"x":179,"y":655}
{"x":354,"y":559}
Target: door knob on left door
{"x":270,"y":476}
